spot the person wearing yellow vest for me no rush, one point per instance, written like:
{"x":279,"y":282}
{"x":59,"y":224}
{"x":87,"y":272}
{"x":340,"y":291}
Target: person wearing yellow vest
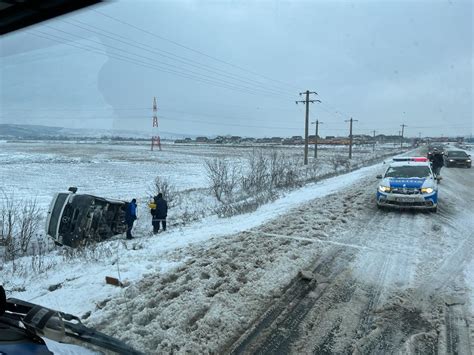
{"x":159,"y":212}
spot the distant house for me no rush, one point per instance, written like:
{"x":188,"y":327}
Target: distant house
{"x":235,"y":139}
{"x":361,"y":138}
{"x":293,"y":140}
{"x":219,"y":140}
{"x":340,"y":140}
{"x":185,"y":140}
{"x":248,"y":140}
{"x":297,"y":140}
{"x":202,"y":140}
{"x":276,"y":140}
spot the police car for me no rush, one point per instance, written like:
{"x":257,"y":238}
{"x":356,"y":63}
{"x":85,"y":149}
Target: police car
{"x":408,"y":184}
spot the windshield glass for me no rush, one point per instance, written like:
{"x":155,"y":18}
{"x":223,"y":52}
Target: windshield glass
{"x":408,"y":171}
{"x":457,"y":153}
{"x":220,"y":167}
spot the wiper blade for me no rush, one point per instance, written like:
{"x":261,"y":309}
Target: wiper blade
{"x":81,"y":332}
{"x":45,"y":322}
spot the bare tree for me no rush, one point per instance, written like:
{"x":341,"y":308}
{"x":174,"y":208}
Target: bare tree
{"x":257,"y":174}
{"x":19,"y":221}
{"x":284,"y":170}
{"x":223,"y":178}
{"x":28,"y":222}
{"x":338,"y":162}
{"x":7,"y":219}
{"x":265,"y":172}
{"x":167,"y":188}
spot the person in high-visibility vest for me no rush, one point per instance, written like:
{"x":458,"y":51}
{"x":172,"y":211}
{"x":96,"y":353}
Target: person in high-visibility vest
{"x":159,"y":212}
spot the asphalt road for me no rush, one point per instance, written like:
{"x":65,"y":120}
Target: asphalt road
{"x":373,"y":282}
{"x":384,"y":282}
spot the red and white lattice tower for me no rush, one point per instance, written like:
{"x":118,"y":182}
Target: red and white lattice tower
{"x":155,"y":138}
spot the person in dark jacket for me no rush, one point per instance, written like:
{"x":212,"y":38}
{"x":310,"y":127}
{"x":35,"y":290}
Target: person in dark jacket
{"x":437,"y":161}
{"x":130,"y":217}
{"x":159,"y":213}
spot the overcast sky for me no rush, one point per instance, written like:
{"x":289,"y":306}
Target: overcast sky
{"x":237,"y":67}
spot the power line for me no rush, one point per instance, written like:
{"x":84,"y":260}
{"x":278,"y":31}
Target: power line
{"x":136,"y":62}
{"x":337,"y":111}
{"x":89,"y":108}
{"x":201,"y":80}
{"x":77,"y":109}
{"x":171,"y":55}
{"x":146,"y":118}
{"x":181,"y":59}
{"x":187,"y":71}
{"x":330,"y":126}
{"x":175,"y":119}
{"x":193,"y":50}
{"x":395,"y":127}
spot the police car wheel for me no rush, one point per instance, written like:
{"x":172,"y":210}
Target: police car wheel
{"x":434,"y":209}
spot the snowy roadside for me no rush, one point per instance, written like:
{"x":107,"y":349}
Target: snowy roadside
{"x":390,"y":276}
{"x":76,"y":284}
{"x":73,"y":279}
{"x":212,"y":277}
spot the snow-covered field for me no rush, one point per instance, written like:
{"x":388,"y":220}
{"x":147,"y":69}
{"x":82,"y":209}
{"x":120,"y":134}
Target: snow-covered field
{"x":123,"y":171}
{"x":387,"y":278}
{"x":37,"y":170}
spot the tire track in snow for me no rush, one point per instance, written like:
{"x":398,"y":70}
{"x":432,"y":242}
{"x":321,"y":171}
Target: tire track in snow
{"x":367,"y":318}
{"x":315,"y":239}
{"x":278,"y":325}
{"x":457,"y":330}
{"x":407,"y":231}
{"x":275,"y":336}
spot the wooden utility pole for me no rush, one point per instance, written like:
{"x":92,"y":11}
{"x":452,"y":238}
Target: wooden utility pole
{"x":350,"y":136}
{"x":317,"y":123}
{"x":401,"y":136}
{"x":306,"y":128}
{"x":373,"y":144}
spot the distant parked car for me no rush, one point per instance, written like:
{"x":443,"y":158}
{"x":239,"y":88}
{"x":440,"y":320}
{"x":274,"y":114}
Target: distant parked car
{"x":77,"y":219}
{"x":457,"y":158}
{"x":433,"y":148}
{"x":438,"y":146}
{"x":408,"y":184}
